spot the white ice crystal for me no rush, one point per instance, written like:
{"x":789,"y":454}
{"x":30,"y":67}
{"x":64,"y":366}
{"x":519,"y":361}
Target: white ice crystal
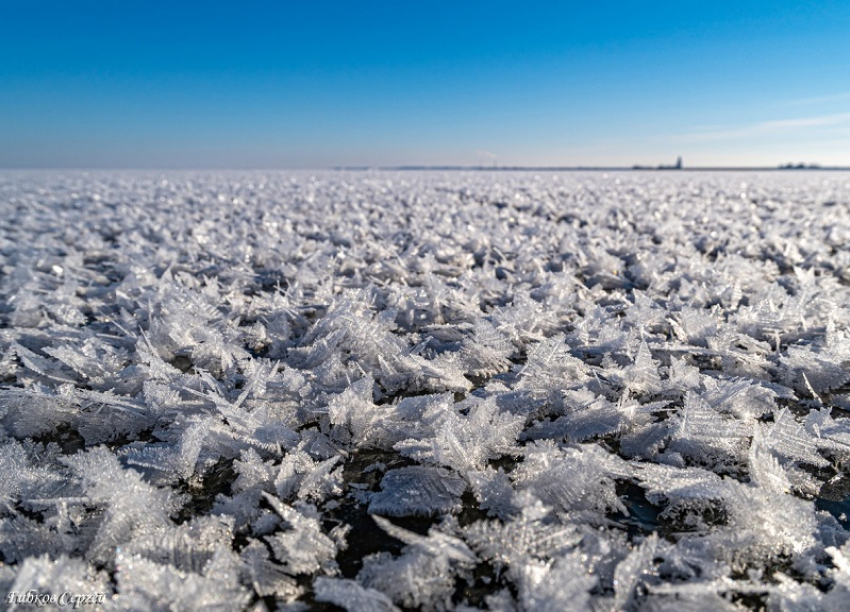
{"x":349,"y":595}
{"x":630,"y":570}
{"x":533,"y":535}
{"x":562,"y":585}
{"x":421,"y":576}
{"x":129,"y":506}
{"x":145,"y":585}
{"x":418,"y":490}
{"x":264,"y":576}
{"x":576,"y":479}
{"x":358,"y":420}
{"x":466,"y":442}
{"x":302,"y":547}
{"x":704,"y":436}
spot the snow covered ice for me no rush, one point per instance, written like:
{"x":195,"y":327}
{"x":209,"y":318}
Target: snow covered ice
{"x":426,"y":391}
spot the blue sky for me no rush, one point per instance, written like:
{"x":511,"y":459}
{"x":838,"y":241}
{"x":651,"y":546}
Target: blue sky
{"x":297,"y":84}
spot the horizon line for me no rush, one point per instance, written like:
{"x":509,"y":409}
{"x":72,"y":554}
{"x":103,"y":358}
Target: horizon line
{"x":435,"y":167}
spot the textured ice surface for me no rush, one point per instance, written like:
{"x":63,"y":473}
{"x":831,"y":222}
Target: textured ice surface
{"x":433,"y":391}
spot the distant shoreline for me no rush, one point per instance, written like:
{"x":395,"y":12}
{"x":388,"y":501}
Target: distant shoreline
{"x":605,"y":168}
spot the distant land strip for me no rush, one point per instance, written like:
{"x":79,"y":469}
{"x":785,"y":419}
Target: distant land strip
{"x":605,"y":168}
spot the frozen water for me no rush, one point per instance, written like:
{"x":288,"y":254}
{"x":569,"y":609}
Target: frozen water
{"x":389,"y":390}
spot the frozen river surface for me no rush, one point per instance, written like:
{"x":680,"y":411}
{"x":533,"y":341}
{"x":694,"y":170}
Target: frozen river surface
{"x":433,"y":391}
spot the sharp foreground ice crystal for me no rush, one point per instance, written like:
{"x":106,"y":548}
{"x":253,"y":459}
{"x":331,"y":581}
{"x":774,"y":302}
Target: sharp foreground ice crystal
{"x":381,"y":391}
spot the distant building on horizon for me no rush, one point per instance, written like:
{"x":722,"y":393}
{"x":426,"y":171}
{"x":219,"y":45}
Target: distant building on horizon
{"x":676,"y":166}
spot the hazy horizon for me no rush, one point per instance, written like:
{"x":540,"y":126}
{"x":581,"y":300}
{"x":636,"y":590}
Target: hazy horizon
{"x":199,"y":86}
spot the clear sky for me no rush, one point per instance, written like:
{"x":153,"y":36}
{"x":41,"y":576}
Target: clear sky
{"x":148,"y":84}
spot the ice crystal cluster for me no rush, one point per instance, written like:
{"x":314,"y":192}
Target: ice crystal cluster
{"x":426,"y":391}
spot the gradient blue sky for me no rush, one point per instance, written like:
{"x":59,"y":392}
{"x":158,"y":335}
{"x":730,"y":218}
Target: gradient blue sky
{"x":319,"y":84}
